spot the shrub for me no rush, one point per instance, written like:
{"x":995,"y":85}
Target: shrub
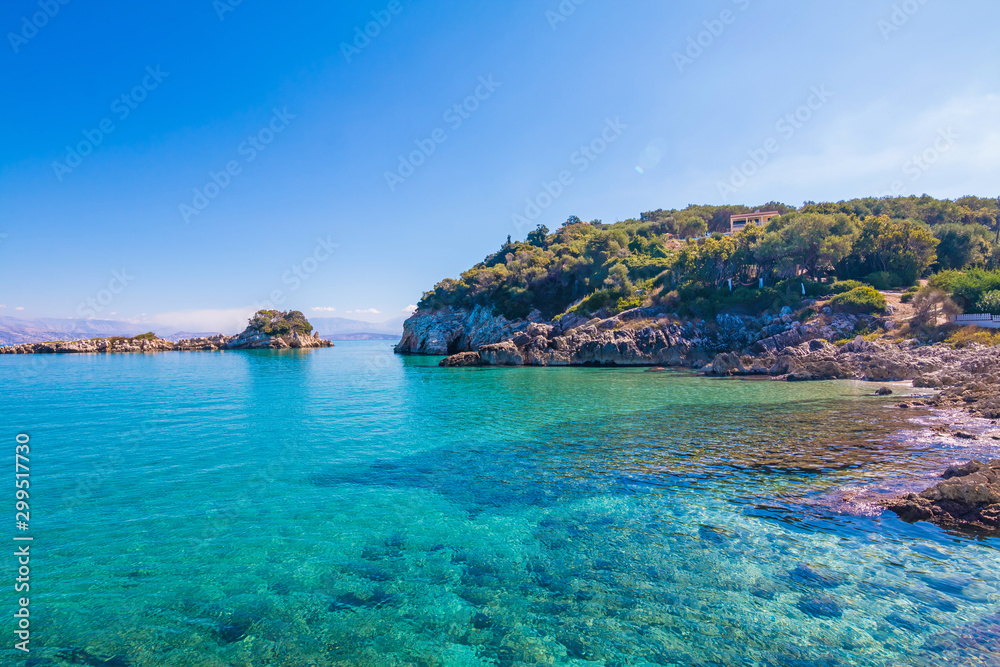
{"x":884,"y":280}
{"x":593,"y":303}
{"x":989,"y":303}
{"x":628,"y":303}
{"x":842,"y":286}
{"x":966,"y":287}
{"x":969,"y":335}
{"x":860,"y":300}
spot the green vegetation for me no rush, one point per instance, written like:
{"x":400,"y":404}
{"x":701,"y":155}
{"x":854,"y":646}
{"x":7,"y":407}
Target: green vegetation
{"x":280,"y":323}
{"x":968,"y":335}
{"x":860,"y":300}
{"x":966,"y":288}
{"x":842,"y":286}
{"x":989,"y":303}
{"x":149,"y":335}
{"x":601,"y":269}
{"x":909,"y":294}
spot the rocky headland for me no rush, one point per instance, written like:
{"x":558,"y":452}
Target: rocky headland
{"x":268,"y":329}
{"x":779,"y":347}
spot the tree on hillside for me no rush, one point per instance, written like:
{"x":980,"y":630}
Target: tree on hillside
{"x":812,"y":242}
{"x":963,"y":245}
{"x":904,"y":248}
{"x":537,"y":237}
{"x":689,"y":224}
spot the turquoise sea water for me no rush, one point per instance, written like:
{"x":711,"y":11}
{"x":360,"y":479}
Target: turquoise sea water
{"x":352,"y":507}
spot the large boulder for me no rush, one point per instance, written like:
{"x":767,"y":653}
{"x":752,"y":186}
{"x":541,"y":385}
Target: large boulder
{"x":501,"y":354}
{"x":462,"y":359}
{"x":968,"y":498}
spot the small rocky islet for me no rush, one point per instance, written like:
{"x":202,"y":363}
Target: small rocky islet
{"x":267,"y":329}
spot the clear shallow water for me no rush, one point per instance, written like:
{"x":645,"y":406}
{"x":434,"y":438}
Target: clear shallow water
{"x":351,"y":507}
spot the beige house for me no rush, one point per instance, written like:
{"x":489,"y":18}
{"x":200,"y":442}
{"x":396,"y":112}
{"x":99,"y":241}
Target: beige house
{"x":738,"y":222}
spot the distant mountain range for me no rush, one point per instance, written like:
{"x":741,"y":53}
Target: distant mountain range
{"x":14,"y":331}
{"x":361,"y":336}
{"x":335,"y":326}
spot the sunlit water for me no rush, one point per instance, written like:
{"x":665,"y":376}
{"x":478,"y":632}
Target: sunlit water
{"x":352,"y":507}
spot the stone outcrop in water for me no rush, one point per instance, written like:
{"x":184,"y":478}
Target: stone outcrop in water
{"x":267,"y":330}
{"x":968,"y":498}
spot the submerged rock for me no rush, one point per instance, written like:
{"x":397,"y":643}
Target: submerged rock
{"x":821,"y":607}
{"x":353,"y":602}
{"x":969,"y":499}
{"x":808,"y":576}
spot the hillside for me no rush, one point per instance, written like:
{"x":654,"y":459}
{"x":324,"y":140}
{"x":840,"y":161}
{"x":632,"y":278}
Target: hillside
{"x":664,"y":259}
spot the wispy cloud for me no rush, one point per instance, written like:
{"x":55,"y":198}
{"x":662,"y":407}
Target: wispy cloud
{"x":412,"y":308}
{"x":19,"y":308}
{"x":323,"y":309}
{"x":366,"y":311}
{"x":865,"y":151}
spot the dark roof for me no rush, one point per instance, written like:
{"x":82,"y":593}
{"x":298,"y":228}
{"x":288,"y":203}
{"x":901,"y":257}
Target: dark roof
{"x":754,"y":214}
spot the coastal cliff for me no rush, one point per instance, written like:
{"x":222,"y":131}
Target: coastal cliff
{"x":637,"y":337}
{"x":267,"y":329}
{"x":453,"y":330}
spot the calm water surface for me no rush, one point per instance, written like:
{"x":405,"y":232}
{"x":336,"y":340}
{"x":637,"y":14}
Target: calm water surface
{"x":352,"y":507}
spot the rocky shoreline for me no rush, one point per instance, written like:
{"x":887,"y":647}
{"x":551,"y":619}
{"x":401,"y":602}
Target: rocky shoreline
{"x":252,"y":338}
{"x":777,"y":347}
{"x":126,"y":345}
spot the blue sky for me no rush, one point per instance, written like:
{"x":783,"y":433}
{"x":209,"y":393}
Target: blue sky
{"x":291,"y":119}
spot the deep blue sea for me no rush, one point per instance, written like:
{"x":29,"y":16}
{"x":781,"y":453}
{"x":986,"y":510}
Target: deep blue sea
{"x":348,"y":506}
